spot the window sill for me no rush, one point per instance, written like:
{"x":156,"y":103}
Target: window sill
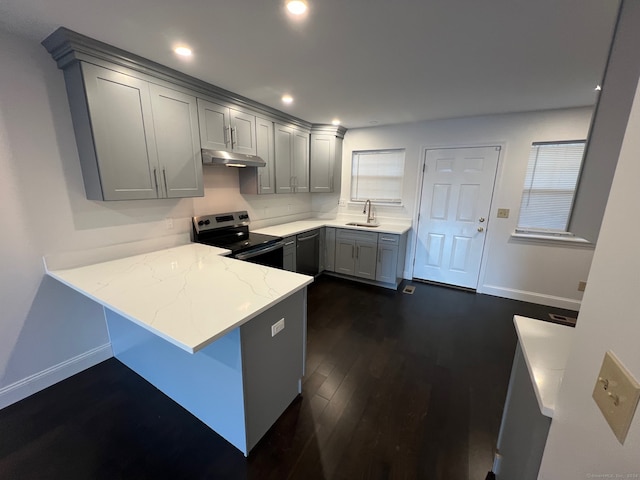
{"x":353,"y":203}
{"x":552,"y":239}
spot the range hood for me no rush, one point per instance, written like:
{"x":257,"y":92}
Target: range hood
{"x":230,"y":159}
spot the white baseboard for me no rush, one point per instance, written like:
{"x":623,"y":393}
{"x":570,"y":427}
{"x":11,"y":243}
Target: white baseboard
{"x":41,"y":380}
{"x":531,"y":297}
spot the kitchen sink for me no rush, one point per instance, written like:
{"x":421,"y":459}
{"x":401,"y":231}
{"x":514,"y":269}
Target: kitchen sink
{"x":363,"y":224}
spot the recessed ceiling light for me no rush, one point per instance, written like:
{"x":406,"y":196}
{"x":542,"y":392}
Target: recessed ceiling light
{"x":335,"y":121}
{"x":287,"y":99}
{"x":598,"y":88}
{"x":297,"y":7}
{"x":183,"y":51}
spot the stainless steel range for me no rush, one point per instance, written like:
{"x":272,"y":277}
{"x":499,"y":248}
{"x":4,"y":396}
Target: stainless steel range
{"x":231,"y":231}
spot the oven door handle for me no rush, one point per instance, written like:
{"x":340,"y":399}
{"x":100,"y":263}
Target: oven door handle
{"x":259,"y":251}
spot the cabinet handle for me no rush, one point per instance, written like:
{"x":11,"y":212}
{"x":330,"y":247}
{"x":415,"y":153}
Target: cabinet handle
{"x":387,"y":239}
{"x":155,"y":178}
{"x":357,"y":251}
{"x":227,"y":135}
{"x":166,"y":188}
{"x":288,"y":243}
{"x":379,"y":252}
{"x":234,"y":134}
{"x":351,"y":251}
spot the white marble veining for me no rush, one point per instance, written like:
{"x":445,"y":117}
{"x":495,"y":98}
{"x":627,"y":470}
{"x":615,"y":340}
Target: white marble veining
{"x":546,"y":348}
{"x":294,"y":228}
{"x":189,"y":295}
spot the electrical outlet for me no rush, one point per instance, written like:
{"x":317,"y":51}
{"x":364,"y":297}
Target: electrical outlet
{"x":342,"y":202}
{"x":503,"y":213}
{"x":582,"y":286}
{"x":277,"y":327}
{"x":616,"y":393}
{"x":168,"y":223}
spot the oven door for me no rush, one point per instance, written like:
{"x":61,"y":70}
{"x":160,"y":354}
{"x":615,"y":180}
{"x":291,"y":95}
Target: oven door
{"x":270,"y":256}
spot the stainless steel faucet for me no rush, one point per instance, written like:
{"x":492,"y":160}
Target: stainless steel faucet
{"x":369,"y":215}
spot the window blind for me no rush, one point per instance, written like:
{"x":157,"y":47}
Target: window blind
{"x":550,"y":185}
{"x":377,"y":176}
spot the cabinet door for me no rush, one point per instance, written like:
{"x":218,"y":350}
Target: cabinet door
{"x":284,"y":158}
{"x":345,"y":256}
{"x":321,"y":254}
{"x":323,"y":148}
{"x":264,"y":149}
{"x":366,"y":256}
{"x":175,"y":121}
{"x":243,"y":132}
{"x":123,"y":136}
{"x":215,"y":125}
{"x":387,"y":263}
{"x":330,"y":249}
{"x":301,"y":161}
{"x":289,"y":254}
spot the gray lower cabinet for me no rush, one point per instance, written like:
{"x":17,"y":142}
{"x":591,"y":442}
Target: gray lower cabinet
{"x":388,"y":247}
{"x":523,"y":430}
{"x":330,"y":249}
{"x":289,"y":254}
{"x":356,"y":253}
{"x":136,"y":140}
{"x":292,"y":159}
{"x":261,"y":180}
{"x":225,"y":128}
{"x":272,"y":365}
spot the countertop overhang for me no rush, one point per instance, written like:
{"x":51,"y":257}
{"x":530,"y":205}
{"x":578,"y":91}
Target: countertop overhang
{"x":546,"y":347}
{"x":189,"y":295}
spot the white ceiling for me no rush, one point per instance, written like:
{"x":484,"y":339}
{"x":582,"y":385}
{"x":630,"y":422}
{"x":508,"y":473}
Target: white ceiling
{"x":363,"y":61}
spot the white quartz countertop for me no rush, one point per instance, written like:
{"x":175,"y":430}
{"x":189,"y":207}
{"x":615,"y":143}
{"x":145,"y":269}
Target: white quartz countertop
{"x":293,"y":228}
{"x":189,"y":295}
{"x":546,"y":348}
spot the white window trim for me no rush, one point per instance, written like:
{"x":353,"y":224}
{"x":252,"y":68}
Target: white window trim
{"x":358,"y":203}
{"x":548,"y":238}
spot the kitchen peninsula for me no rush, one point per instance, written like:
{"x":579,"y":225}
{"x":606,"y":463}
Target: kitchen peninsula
{"x":223,"y":338}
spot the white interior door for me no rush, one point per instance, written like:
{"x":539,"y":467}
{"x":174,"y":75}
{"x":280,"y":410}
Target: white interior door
{"x":457,"y":187}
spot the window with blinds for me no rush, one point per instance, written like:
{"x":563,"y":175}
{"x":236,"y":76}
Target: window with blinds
{"x":377,"y":175}
{"x":549,"y":187}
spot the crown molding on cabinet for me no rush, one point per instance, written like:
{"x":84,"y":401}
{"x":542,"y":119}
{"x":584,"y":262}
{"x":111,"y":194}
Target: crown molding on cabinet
{"x":337,"y":130}
{"x":67,"y":46}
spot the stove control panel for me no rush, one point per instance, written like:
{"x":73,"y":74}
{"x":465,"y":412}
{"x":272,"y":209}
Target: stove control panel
{"x":220,"y":220}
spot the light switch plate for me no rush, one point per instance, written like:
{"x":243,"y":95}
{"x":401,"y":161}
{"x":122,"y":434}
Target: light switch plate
{"x":503,"y":213}
{"x":616,"y":393}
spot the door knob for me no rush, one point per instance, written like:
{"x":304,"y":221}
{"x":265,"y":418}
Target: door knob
{"x":481,"y":229}
{"x":481,"y":219}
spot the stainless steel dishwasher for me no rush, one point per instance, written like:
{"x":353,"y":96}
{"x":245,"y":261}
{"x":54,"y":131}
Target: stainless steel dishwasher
{"x":308,"y":252}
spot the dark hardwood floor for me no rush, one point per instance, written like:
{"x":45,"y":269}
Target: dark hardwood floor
{"x":398,"y":386}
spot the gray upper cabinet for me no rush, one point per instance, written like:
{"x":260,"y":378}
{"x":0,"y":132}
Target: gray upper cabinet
{"x":224,"y":128}
{"x":261,"y":180}
{"x":135,"y":140}
{"x":175,"y":120}
{"x":292,"y":159}
{"x":140,"y":127}
{"x":326,"y":157}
